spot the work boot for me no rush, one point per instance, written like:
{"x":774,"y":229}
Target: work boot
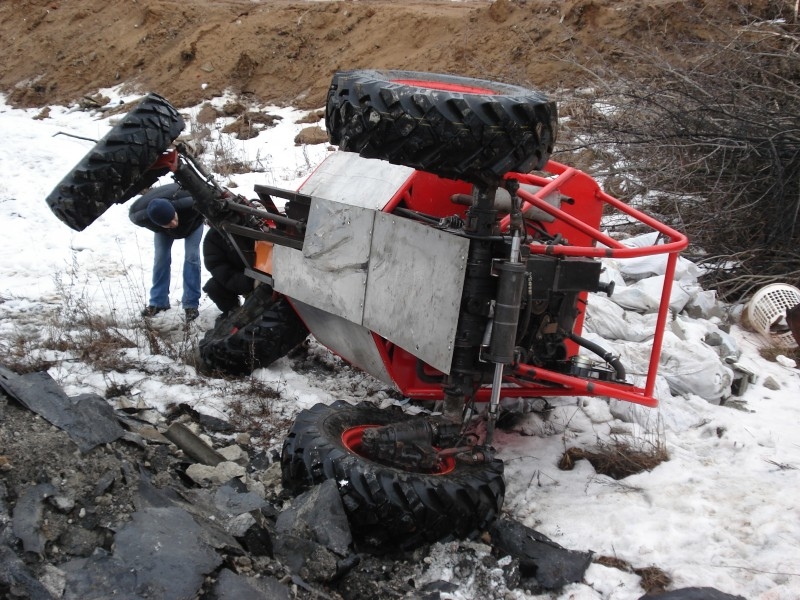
{"x":152,"y":311}
{"x":191,"y":314}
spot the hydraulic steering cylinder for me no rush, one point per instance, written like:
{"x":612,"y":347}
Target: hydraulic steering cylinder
{"x":506,"y":312}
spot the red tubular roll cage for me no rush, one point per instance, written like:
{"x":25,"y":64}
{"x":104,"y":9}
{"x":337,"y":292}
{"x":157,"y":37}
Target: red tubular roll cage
{"x":580,"y":219}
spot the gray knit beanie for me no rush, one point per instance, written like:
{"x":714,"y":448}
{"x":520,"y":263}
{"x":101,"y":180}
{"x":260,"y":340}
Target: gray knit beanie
{"x":160,"y":211}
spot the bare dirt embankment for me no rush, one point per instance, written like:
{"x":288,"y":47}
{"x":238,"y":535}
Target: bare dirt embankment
{"x":284,"y":52}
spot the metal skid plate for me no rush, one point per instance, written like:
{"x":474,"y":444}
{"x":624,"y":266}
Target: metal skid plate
{"x":396,"y":277}
{"x":416,"y":277}
{"x":347,"y":178}
{"x":352,"y":342}
{"x":331,"y":271}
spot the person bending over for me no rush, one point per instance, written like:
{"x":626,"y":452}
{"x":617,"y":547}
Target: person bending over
{"x":169,"y":212}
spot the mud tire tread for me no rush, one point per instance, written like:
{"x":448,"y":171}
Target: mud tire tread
{"x":118,"y":166}
{"x":240,"y":344}
{"x":424,"y":121}
{"x":387,"y":506}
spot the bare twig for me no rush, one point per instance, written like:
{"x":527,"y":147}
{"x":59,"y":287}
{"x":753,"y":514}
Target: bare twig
{"x":712,"y":144}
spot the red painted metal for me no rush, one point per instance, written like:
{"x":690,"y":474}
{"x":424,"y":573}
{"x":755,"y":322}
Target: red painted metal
{"x":578,"y":220}
{"x":167,"y":160}
{"x":351,"y":438}
{"x":446,"y":87}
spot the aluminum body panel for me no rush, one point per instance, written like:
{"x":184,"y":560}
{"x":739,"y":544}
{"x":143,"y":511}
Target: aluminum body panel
{"x":331,"y":271}
{"x":352,"y":342}
{"x":416,"y":277}
{"x":394,"y":276}
{"x":347,"y":178}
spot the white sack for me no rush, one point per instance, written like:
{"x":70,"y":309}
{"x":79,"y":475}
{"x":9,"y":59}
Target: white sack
{"x":610,"y":321}
{"x":648,"y":266}
{"x":645,"y":295}
{"x":688,"y":368}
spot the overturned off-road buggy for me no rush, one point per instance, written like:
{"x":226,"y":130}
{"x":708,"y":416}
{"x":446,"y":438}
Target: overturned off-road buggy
{"x":440,"y":250}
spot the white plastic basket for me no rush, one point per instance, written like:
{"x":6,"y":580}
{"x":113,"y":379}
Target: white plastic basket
{"x":766,"y":312}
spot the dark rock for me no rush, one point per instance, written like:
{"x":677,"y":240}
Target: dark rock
{"x":305,"y":558}
{"x":161,"y":553}
{"x":88,"y":419}
{"x":149,"y":496}
{"x":77,"y":541}
{"x":233,"y":501}
{"x":231,"y":586}
{"x":208,"y":422}
{"x":318,"y":515}
{"x":261,"y":461}
{"x":27,"y":519}
{"x":257,"y":540}
{"x":16,"y":577}
{"x":98,"y":577}
{"x":541,"y":559}
{"x":105,"y":482}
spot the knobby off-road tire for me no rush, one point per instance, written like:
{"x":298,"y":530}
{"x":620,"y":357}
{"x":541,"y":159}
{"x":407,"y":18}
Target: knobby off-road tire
{"x":455,"y":127}
{"x":388,"y":508}
{"x":254,"y":336}
{"x":117,"y":168}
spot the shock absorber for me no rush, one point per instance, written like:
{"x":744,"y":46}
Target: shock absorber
{"x":479,"y":289}
{"x":506,"y":311}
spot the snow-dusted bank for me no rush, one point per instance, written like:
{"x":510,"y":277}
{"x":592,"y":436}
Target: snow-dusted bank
{"x":721,"y":512}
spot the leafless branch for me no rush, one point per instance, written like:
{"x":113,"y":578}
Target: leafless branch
{"x":712,"y":142}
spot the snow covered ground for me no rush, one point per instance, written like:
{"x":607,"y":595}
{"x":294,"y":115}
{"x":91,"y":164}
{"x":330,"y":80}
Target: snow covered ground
{"x":722,"y":512}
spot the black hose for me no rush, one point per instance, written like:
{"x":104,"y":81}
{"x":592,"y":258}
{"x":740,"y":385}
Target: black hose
{"x":601,"y":352}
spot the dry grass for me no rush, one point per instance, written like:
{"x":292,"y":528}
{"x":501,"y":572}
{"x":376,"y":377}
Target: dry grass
{"x":654,"y":580}
{"x":773,"y":352}
{"x":178,"y":345}
{"x":76,"y":331}
{"x":616,"y":459}
{"x":19,"y":354}
{"x":252,"y":410}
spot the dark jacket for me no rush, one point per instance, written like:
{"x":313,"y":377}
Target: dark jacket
{"x":188,"y":218}
{"x":224,"y":263}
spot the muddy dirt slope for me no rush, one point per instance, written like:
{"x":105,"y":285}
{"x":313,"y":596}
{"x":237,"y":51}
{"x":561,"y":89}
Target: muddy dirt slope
{"x":284,"y":51}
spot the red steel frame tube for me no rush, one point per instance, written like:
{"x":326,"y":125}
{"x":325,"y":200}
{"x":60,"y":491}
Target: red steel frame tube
{"x":613,"y":249}
{"x":528,"y":380}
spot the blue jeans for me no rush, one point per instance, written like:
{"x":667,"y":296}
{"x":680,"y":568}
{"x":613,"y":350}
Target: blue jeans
{"x":162,"y":262}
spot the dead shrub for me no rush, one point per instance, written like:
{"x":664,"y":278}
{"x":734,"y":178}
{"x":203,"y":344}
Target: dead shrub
{"x":20,"y":354}
{"x":178,"y":345}
{"x":653,"y":579}
{"x":772,"y":352}
{"x":252,"y":409}
{"x":616,"y":459}
{"x":102,"y":348}
{"x":708,"y":141}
